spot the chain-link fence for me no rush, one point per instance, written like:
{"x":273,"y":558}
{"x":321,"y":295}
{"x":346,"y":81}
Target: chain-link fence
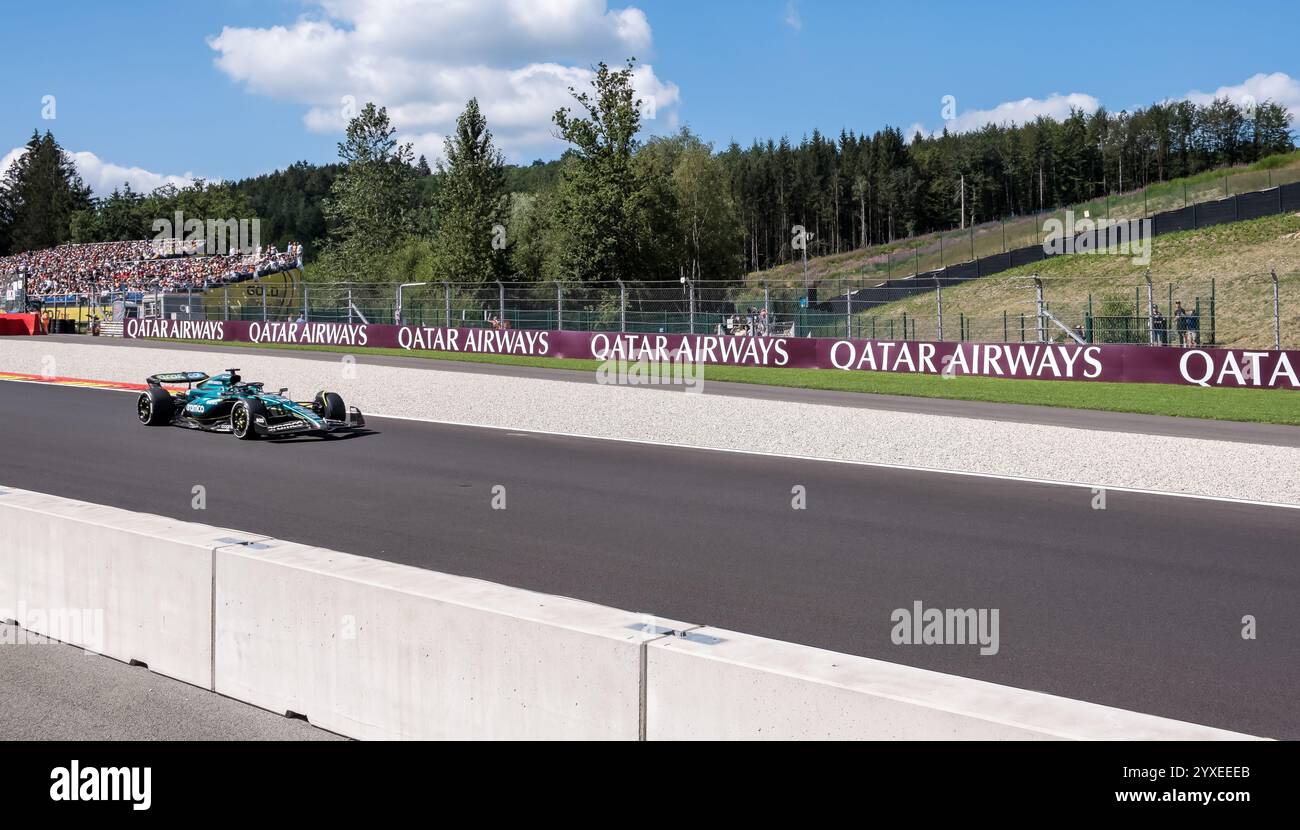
{"x":1248,"y":310}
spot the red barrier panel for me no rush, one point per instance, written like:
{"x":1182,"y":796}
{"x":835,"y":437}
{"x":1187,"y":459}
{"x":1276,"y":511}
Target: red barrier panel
{"x":20,"y":324}
{"x":1040,"y":361}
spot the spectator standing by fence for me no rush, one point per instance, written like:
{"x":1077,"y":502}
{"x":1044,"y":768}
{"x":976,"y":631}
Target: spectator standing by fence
{"x":1159,"y":327}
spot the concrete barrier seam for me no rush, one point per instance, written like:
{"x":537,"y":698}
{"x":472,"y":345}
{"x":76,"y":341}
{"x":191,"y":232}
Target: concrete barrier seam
{"x":644,"y":679}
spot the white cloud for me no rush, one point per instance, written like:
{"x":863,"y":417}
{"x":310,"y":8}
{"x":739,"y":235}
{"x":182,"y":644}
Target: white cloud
{"x":792,"y":17}
{"x":103,"y":177}
{"x":9,"y":158}
{"x":423,"y":61}
{"x":1277,"y":87}
{"x":1023,"y":111}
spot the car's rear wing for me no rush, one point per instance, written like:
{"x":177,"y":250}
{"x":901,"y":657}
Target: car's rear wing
{"x":189,"y":378}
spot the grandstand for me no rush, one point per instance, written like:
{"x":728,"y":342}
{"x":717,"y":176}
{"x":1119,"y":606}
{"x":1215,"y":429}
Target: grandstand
{"x":94,"y":274}
{"x":138,"y":265}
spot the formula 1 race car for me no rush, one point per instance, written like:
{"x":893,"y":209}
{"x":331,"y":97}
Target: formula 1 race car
{"x":226,"y":403}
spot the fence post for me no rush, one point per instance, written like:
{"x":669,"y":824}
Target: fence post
{"x":263,"y":286}
{"x":349,"y":304}
{"x":306,"y":314}
{"x":938,"y":299}
{"x":446,"y":285}
{"x":1214,"y":326}
{"x":767,"y":303}
{"x":904,"y":325}
{"x":690,"y":289}
{"x":501,"y":301}
{"x":1004,"y":325}
{"x":622,"y":306}
{"x":559,"y":305}
{"x":1151,"y":314}
{"x":1042,"y":322}
{"x":225,"y":301}
{"x":848,"y":314}
{"x":1277,"y":318}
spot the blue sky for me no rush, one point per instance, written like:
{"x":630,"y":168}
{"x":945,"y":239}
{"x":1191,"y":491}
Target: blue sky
{"x":145,"y":85}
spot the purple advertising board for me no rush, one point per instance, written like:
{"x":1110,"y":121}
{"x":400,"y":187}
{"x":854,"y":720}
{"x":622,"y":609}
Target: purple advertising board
{"x":1259,"y":368}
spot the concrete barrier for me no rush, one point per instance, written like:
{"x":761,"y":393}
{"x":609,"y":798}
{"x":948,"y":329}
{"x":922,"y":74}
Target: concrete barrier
{"x":128,"y":585}
{"x":376,"y":650}
{"x":373,"y":649}
{"x":723,"y":684}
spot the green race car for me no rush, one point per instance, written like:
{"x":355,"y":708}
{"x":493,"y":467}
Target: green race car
{"x":227,"y":403}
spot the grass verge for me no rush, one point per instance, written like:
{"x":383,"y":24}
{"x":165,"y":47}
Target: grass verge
{"x":1268,"y":406}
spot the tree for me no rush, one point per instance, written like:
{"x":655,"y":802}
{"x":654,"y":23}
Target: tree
{"x":40,"y":193}
{"x":530,"y":251}
{"x":372,"y":205}
{"x":470,"y":240}
{"x":707,"y":222}
{"x":1271,"y":129}
{"x":598,"y":188}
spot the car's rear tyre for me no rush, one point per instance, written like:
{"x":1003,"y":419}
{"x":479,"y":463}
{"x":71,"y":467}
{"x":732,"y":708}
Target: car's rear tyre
{"x":155,"y":407}
{"x":242,"y":416}
{"x":329,"y":405}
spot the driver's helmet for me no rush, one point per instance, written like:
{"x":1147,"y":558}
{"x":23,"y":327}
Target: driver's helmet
{"x":226,"y":379}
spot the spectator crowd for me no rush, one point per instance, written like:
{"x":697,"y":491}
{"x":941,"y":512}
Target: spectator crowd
{"x":140,"y":265}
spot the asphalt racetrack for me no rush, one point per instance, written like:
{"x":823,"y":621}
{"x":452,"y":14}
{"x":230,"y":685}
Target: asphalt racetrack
{"x":1139,"y":605}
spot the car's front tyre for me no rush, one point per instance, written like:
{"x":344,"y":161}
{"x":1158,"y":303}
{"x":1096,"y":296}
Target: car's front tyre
{"x":329,"y":405}
{"x":155,"y":407}
{"x":242,"y":417}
